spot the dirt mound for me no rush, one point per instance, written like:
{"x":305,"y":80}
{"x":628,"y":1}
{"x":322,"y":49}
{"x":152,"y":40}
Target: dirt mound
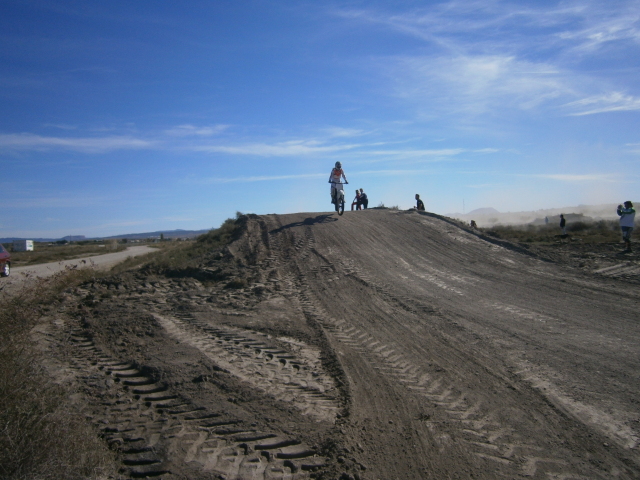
{"x":377,"y":345}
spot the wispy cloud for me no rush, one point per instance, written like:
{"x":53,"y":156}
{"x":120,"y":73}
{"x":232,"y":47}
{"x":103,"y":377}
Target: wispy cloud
{"x":433,"y":154}
{"x":478,"y":84}
{"x":29,"y":141}
{"x":266,"y":178}
{"x":443,"y":152}
{"x":192,"y":130}
{"x":61,"y":126}
{"x":256,"y":178}
{"x":294,"y":147}
{"x":570,"y":25}
{"x":533,"y":63}
{"x":392,"y":172}
{"x":485,"y":185}
{"x":178,"y":219}
{"x":573,"y":178}
{"x":53,"y":201}
{"x":345,"y":132}
{"x":610,"y":102}
{"x":606,"y":26}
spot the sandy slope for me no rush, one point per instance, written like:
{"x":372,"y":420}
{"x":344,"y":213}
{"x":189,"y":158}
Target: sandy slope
{"x":377,"y":345}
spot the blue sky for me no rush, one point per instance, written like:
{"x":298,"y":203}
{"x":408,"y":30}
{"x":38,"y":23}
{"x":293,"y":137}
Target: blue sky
{"x":119,"y":116}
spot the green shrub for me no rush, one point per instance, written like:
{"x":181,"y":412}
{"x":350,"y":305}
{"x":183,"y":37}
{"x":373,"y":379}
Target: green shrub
{"x":220,"y":236}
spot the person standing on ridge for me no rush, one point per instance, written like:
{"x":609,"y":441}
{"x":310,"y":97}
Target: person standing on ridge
{"x":364,"y":200}
{"x":334,"y":177}
{"x":356,"y":201}
{"x":563,"y":224}
{"x":419,"y":203}
{"x":627,"y":217}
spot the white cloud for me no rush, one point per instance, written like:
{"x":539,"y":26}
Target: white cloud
{"x":266,"y":178}
{"x":492,"y":55}
{"x":257,"y":178}
{"x":29,"y":141}
{"x":572,"y":178}
{"x":344,"y":132}
{"x":61,"y":126}
{"x":302,"y":147}
{"x":192,"y":130}
{"x":53,"y":201}
{"x":178,"y":219}
{"x":610,"y":102}
{"x":606,"y":26}
{"x":573,"y":25}
{"x":391,"y":172}
{"x":477,"y":84}
{"x":443,"y":152}
{"x":486,"y":185}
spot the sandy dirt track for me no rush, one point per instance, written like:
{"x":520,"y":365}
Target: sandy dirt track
{"x":20,"y":275}
{"x":377,"y":345}
{"x":105,"y":260}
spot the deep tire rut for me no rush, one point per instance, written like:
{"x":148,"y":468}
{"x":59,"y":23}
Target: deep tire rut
{"x":484,"y":432}
{"x":254,"y":358}
{"x":154,"y":427}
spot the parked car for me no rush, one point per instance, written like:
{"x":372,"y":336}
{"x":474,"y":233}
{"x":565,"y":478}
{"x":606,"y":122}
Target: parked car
{"x":5,"y":262}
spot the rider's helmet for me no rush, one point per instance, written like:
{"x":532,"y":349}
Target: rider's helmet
{"x":338,"y":165}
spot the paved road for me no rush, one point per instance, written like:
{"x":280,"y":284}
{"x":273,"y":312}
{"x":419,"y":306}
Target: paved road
{"x":104,"y":261}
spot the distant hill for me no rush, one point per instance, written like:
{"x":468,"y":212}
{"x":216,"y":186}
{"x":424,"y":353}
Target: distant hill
{"x":487,"y":217}
{"x":166,"y":233}
{"x":484,"y":211}
{"x":128,"y":236}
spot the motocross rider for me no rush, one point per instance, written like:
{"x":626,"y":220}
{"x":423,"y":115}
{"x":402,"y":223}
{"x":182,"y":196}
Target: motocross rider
{"x":334,"y":179}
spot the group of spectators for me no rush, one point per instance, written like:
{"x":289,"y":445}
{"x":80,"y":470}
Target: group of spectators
{"x":627,"y":216}
{"x":361,"y":201}
{"x":626,"y":213}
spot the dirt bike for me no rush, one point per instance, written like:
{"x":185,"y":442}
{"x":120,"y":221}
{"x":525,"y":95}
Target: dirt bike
{"x":339,"y":197}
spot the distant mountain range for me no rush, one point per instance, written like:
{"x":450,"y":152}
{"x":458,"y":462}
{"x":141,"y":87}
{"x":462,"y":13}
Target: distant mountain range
{"x":128,"y":236}
{"x":486,"y":217}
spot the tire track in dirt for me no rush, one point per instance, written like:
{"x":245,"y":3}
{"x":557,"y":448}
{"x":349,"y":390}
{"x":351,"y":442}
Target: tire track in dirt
{"x":157,"y":429}
{"x":442,"y":350}
{"x":255,"y":359}
{"x":487,"y":437}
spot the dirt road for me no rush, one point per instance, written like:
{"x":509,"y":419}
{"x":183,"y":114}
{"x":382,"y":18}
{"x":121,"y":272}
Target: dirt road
{"x":105,"y":260}
{"x":377,"y":345}
{"x":19,"y":275}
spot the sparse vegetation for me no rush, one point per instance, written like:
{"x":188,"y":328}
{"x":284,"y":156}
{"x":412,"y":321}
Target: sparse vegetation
{"x":180,"y":255}
{"x":46,"y":253}
{"x":41,"y":436}
{"x":602,"y":231}
{"x":222,"y":235}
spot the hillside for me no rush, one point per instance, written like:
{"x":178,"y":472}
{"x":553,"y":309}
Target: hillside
{"x":377,"y":345}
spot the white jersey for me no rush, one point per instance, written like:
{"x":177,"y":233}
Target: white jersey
{"x":627,"y":217}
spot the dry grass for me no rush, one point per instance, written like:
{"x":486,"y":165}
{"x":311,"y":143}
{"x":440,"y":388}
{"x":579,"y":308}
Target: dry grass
{"x":44,"y":253}
{"x":603,"y":231}
{"x":176,"y":256}
{"x":41,"y":437}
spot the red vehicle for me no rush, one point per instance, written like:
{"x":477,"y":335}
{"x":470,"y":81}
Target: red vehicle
{"x":5,"y":262}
